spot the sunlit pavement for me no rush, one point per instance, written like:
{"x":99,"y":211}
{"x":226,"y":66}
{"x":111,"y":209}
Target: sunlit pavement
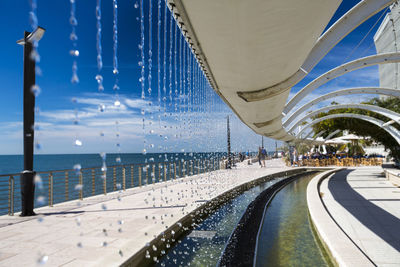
{"x":106,"y":230}
{"x":367,"y":207}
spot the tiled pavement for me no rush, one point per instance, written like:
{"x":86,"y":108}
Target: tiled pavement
{"x":367,"y":207}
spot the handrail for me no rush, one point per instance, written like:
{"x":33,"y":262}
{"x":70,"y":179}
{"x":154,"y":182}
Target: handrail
{"x":71,"y":184}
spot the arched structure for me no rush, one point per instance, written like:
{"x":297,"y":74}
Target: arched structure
{"x":348,"y":91}
{"x":340,"y":70}
{"x":390,"y":129}
{"x":269,"y":56}
{"x":319,"y":134}
{"x":332,"y":134}
{"x":341,"y":28}
{"x":383,"y":111}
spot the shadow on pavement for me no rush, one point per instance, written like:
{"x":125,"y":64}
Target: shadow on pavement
{"x":367,"y":213}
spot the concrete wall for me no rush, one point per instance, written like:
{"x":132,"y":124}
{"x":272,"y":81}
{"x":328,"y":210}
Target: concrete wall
{"x":393,"y":177}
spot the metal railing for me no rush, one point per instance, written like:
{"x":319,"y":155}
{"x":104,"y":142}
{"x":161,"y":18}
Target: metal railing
{"x":62,"y":185}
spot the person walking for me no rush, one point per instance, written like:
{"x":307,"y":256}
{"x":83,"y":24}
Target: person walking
{"x":295,"y":163}
{"x":264,"y":155}
{"x":259,"y":156}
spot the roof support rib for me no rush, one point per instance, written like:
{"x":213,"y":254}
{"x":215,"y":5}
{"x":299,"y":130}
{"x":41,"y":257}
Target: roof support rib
{"x":383,"y":58}
{"x":390,"y":129}
{"x":347,"y":91}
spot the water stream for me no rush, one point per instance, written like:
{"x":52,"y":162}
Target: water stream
{"x":204,"y":245}
{"x":286,"y":238}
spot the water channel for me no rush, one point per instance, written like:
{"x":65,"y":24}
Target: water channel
{"x":286,"y":237}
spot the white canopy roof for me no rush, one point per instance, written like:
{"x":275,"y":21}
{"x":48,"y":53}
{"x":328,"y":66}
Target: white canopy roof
{"x":252,"y":45}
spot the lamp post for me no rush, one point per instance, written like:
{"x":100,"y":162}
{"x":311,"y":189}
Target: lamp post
{"x":229,"y":166}
{"x":27,"y":176}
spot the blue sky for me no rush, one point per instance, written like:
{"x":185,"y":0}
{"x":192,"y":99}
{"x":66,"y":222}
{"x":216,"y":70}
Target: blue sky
{"x":57,"y":131}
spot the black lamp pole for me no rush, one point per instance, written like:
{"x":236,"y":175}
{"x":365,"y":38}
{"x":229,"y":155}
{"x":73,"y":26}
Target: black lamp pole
{"x":229,"y":143}
{"x":27,"y":175}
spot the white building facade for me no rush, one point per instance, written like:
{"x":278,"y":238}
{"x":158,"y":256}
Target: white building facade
{"x":387,"y":39}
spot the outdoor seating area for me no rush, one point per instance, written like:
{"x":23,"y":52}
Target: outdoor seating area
{"x":339,"y":161}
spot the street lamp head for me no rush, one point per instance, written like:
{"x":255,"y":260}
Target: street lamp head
{"x":34,"y":36}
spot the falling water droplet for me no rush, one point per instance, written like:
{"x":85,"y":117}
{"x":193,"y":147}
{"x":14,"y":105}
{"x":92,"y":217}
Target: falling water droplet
{"x":73,"y":36}
{"x":40,"y":200}
{"x":38,"y":181}
{"x":74,"y":78}
{"x":43,"y":259}
{"x":77,"y":168}
{"x":102,"y":107}
{"x":73,"y":21}
{"x":78,"y":142}
{"x":35,"y":89}
{"x":78,"y":187}
{"x":74,"y":52}
{"x":136,"y":5}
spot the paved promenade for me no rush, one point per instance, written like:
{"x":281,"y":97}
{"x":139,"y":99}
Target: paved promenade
{"x":367,"y":207}
{"x":106,"y":230}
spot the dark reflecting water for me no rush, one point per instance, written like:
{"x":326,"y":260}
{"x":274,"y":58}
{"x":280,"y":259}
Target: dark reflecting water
{"x":191,"y":251}
{"x":286,"y":238}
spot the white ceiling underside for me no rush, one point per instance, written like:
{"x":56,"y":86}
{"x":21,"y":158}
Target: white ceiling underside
{"x":254,"y":44}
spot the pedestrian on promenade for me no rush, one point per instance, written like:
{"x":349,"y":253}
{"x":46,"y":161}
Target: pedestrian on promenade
{"x":295,"y":163}
{"x":259,"y":155}
{"x":264,"y":155}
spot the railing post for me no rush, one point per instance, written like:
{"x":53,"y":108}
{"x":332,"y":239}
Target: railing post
{"x":114,"y":179}
{"x":153,"y":176}
{"x":123,"y":179}
{"x":180,"y":169}
{"x":11,"y":195}
{"x":140,"y":175}
{"x":198,"y":166}
{"x":81,"y":184}
{"x":93,"y":183}
{"x":104,"y":176}
{"x":147,"y":173}
{"x":184,"y":169}
{"x":132,"y":176}
{"x":174,"y":170}
{"x":159,"y":173}
{"x":165,"y":173}
{"x":51,"y":189}
{"x":66,"y":185}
